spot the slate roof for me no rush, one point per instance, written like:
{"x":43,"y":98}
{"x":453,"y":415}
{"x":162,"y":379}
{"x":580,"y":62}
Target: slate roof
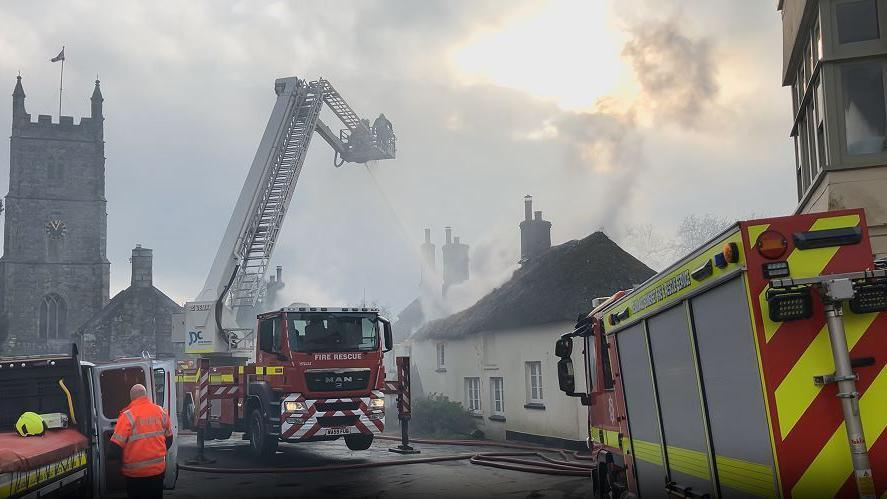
{"x":557,"y":285}
{"x":142,"y":296}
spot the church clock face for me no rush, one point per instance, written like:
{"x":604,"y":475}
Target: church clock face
{"x":56,"y":229}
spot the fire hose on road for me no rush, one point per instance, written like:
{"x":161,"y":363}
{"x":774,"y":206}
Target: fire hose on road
{"x":529,"y":460}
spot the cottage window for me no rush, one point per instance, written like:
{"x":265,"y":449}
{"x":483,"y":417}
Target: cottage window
{"x":441,"y":356}
{"x":472,"y":394}
{"x":497,"y":396}
{"x":534,"y":382}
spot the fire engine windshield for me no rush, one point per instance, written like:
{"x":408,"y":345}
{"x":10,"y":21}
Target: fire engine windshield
{"x":316,"y":332}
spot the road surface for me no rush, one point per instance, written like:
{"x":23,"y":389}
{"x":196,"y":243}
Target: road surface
{"x":452,"y":479}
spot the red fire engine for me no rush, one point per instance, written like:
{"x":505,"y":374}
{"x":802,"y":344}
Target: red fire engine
{"x":318,"y":375}
{"x":305,"y":373}
{"x":754,"y":367}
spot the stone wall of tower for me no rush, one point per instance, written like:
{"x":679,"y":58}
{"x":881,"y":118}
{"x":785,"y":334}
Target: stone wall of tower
{"x":56,"y":228}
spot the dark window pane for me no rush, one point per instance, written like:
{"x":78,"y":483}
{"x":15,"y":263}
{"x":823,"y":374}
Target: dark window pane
{"x":115,"y":385}
{"x":160,"y":387}
{"x":44,"y":319}
{"x":605,"y":363}
{"x":805,"y":153}
{"x":62,"y":317}
{"x":857,"y":21}
{"x":864,"y":116}
{"x":798,"y":165}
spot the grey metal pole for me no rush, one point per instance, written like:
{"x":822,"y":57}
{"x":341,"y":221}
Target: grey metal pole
{"x":405,"y":434}
{"x":200,"y":445}
{"x":849,"y":399}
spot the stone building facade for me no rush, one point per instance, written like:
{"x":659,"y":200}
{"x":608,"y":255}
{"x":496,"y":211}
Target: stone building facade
{"x":138,"y":319}
{"x":54,"y":273}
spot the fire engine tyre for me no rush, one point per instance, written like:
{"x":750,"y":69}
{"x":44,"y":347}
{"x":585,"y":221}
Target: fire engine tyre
{"x":358,"y":442}
{"x":261,"y":443}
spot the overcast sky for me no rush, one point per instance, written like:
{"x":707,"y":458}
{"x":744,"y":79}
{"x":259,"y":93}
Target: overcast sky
{"x":611,"y":114}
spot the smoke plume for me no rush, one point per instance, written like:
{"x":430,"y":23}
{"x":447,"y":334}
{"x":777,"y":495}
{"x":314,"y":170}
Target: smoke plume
{"x":676,"y":73}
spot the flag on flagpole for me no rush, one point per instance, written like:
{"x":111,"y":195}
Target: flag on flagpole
{"x":60,"y":57}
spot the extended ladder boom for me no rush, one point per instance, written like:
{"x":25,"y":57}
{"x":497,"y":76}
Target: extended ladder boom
{"x":238,"y":271}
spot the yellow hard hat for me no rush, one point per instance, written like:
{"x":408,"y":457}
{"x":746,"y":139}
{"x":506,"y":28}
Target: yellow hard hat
{"x":30,"y":424}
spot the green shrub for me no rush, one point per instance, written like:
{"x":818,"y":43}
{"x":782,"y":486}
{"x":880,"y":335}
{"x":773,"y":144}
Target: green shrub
{"x":438,"y":416}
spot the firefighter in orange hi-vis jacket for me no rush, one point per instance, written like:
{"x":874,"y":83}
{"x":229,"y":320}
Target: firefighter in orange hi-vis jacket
{"x":144,"y":434}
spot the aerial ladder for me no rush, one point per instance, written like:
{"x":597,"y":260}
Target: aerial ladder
{"x":237,"y":276}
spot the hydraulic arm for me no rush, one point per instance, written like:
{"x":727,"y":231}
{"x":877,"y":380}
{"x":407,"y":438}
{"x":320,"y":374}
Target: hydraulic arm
{"x":236,"y":278}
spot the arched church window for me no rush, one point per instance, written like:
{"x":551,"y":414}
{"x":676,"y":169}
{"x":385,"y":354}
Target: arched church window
{"x":53,"y":316}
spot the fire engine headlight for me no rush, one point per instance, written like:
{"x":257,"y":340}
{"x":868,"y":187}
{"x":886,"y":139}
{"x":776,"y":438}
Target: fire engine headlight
{"x":789,"y":304}
{"x":292,"y":406}
{"x":377,"y":403}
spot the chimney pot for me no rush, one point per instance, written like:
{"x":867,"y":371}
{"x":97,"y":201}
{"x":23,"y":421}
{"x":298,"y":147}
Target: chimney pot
{"x":448,"y":231}
{"x":537,"y":215}
{"x":528,"y":206}
{"x":456,"y":240}
{"x":427,"y":235}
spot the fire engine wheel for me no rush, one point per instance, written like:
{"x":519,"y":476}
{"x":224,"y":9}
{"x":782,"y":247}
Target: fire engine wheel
{"x":261,"y":444}
{"x":358,"y":442}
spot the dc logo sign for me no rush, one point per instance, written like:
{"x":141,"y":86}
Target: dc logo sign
{"x":194,"y":337}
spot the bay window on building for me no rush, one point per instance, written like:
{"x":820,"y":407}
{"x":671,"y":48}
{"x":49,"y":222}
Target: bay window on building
{"x":809,"y":129}
{"x":837,"y":77}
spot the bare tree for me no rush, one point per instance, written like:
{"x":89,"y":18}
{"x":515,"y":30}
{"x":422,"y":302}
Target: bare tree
{"x":659,"y":251}
{"x":649,"y":246}
{"x":384,"y":310}
{"x":696,"y":230}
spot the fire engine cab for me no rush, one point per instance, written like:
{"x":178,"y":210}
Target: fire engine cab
{"x":753,"y":367}
{"x":318,"y":375}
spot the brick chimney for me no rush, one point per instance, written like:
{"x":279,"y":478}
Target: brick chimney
{"x":455,"y":260}
{"x":427,"y":250}
{"x":535,"y":233}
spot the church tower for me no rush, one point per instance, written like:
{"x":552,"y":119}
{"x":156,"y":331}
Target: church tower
{"x":54,"y":273}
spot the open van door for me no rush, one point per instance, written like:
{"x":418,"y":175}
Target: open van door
{"x":164,"y":393}
{"x":110,"y":385}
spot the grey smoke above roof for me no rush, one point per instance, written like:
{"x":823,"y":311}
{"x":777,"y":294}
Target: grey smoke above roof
{"x":555,"y":286}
